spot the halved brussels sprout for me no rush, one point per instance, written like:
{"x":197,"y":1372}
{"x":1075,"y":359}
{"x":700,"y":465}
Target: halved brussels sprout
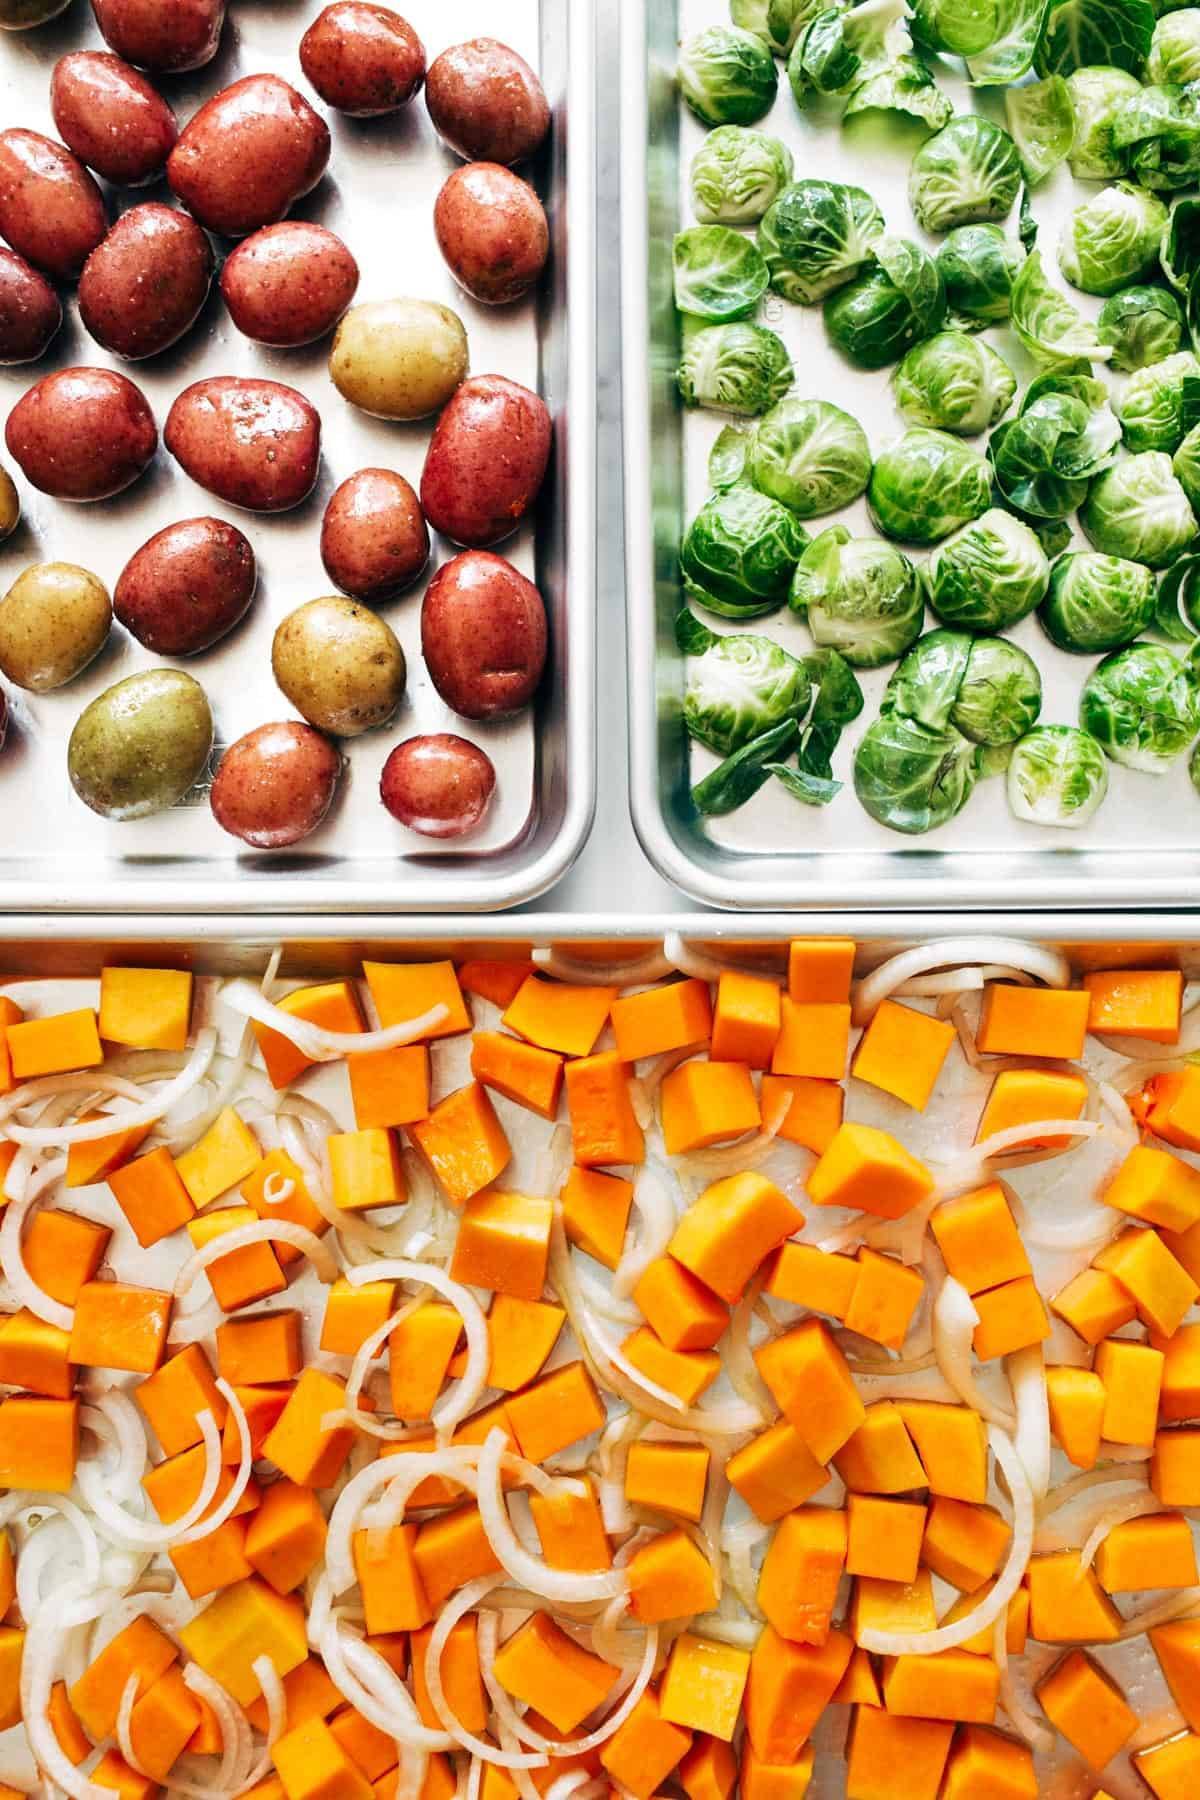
{"x":1180,"y":250}
{"x":843,"y":46}
{"x":1158,"y":129}
{"x":1177,"y":607}
{"x":1080,"y":33}
{"x":895,"y":304}
{"x":779,"y":22}
{"x":1141,"y":706}
{"x":1185,"y":465}
{"x":859,"y":596}
{"x":926,"y":486}
{"x":925,"y":686}
{"x":817,"y":236}
{"x":911,"y":778}
{"x":958,"y":27}
{"x":1137,"y":509}
{"x":1057,"y":775}
{"x":737,"y":173}
{"x":1096,"y":602}
{"x":988,"y":575}
{"x":1064,"y":435}
{"x":1050,"y":327}
{"x":968,"y":171}
{"x":1112,"y":239}
{"x":978,"y":266}
{"x":739,"y":553}
{"x":738,"y":368}
{"x":1097,"y":95}
{"x":954,"y":383}
{"x":1143,"y":324}
{"x":727,"y":76}
{"x":738,"y":686}
{"x":1151,"y":407}
{"x":1000,"y":695}
{"x":904,"y":86}
{"x":719,"y":274}
{"x":811,"y":456}
{"x":1042,"y":125}
{"x":1175,"y":49}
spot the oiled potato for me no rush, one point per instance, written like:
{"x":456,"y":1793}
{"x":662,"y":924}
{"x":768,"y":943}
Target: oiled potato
{"x":30,"y":310}
{"x":10,"y":505}
{"x":51,"y":211}
{"x":289,"y":284}
{"x":22,"y":15}
{"x":483,"y":635}
{"x":362,"y":59}
{"x":53,"y":620}
{"x":248,"y":154}
{"x":144,"y":286}
{"x":486,"y":461}
{"x":187,"y":586}
{"x":275,"y":785}
{"x":141,"y":744}
{"x":82,"y":434}
{"x":167,"y":36}
{"x":373,"y":537}
{"x":399,"y":359}
{"x":486,"y":102}
{"x":439,"y":785}
{"x":340,"y":665}
{"x":492,"y":231}
{"x":111,"y":117}
{"x":256,"y":444}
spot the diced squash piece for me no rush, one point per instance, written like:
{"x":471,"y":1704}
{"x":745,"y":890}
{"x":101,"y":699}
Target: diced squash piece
{"x":670,"y":1478}
{"x":1067,"y":1605}
{"x":139,"y":1648}
{"x":1027,"y":1096}
{"x":1011,"y":1317}
{"x":1076,"y":1400}
{"x":62,"y":1251}
{"x":332,"y":1005}
{"x":503,"y":1243}
{"x":72,"y":1739}
{"x":1094,"y":1304}
{"x":814,"y":1113}
{"x":259,"y":1350}
{"x":870,"y":1171}
{"x":299,"y":1445}
{"x":952,"y":1685}
{"x":671,"y":1017}
{"x":497,"y":980}
{"x":644,"y":1749}
{"x":1175,"y":1468}
{"x":902,"y":1051}
{"x":420,"y":1349}
{"x":979,"y":1241}
{"x":951,"y":1442}
{"x":274,"y":1175}
{"x":10,"y":1014}
{"x":208,"y":1564}
{"x":112,"y":1771}
{"x":556,"y":1411}
{"x":788,"y":1688}
{"x":858,"y":1686}
{"x":1171,"y":1769}
{"x":540,"y":1663}
{"x":1169,"y":1104}
{"x":1137,"y":1003}
{"x":365,"y":1170}
{"x":1185,"y":1248}
{"x":812,"y":1385}
{"x":1177,"y":1647}
{"x":1154,"y":1552}
{"x":263,"y":1407}
{"x":883,"y":1537}
{"x":462,"y":1143}
{"x":595,"y":1209}
{"x":604,"y":1127}
{"x":248,"y":1274}
{"x":1081,"y":1700}
{"x":173,"y":1485}
{"x":312,"y":1765}
{"x":669,"y":1578}
{"x":372,"y":1751}
{"x":746,"y":1022}
{"x":462,"y":1683}
{"x":286,"y":1537}
{"x":801,"y":1572}
{"x":1016,"y":1631}
{"x":151,"y":1194}
{"x":964,"y":1544}
{"x":775,"y":1781}
{"x":687,"y":1373}
{"x":54,"y":1045}
{"x":176,"y":1394}
{"x":8,"y":1574}
{"x":522,"y":1333}
{"x":820,"y":968}
{"x":812,"y":1278}
{"x":775,"y":1472}
{"x":520,"y":1071}
{"x":406,"y":991}
{"x":118,"y":1326}
{"x":1032,"y":1021}
{"x":451,"y":1550}
{"x":892,"y":1605}
{"x":91,"y":1162}
{"x":880,"y":1457}
{"x":727,"y":1232}
{"x":1159,"y":1285}
{"x":983,"y":1765}
{"x":703,"y":1685}
{"x":36,"y":1355}
{"x":882,"y":1745}
{"x":353,"y":1312}
{"x":1132,"y":1377}
{"x":393,"y":1592}
{"x":389,"y":1087}
{"x":680,"y":1308}
{"x":161,"y":1723}
{"x":1157,"y":1188}
{"x":560,"y":1015}
{"x":705,"y":1103}
{"x":571,"y":1530}
{"x":884,"y":1299}
{"x":1180,"y":1395}
{"x":709,"y":1771}
{"x":226,"y":1154}
{"x":814,"y":1040}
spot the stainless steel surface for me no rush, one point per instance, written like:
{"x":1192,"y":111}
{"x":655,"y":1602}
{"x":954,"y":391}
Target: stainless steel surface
{"x":379,"y":194}
{"x":1140,"y":850}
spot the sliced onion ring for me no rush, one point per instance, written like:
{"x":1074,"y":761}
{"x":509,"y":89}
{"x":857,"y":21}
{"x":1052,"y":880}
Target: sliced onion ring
{"x":1033,"y":959}
{"x":314,"y":1041}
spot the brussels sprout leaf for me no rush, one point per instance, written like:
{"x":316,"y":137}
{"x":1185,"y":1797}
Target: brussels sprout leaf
{"x":740,"y":776}
{"x":692,"y":636}
{"x":813,"y":790}
{"x":1027,"y":226}
{"x":727,"y":458}
{"x":1180,"y":253}
{"x":1079,"y":34}
{"x":1010,"y":53}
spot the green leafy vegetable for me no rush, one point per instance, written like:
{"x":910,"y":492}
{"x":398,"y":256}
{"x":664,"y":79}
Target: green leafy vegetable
{"x":740,"y":776}
{"x":911,"y":778}
{"x":817,"y":236}
{"x":1097,"y":96}
{"x":736,"y":175}
{"x":859,"y":596}
{"x":926,"y":486}
{"x":968,"y":171}
{"x":978,"y":265}
{"x":728,"y":457}
{"x":1177,"y":607}
{"x":1011,"y":52}
{"x":1096,"y":602}
{"x":895,"y":304}
{"x":1159,"y":132}
{"x":958,"y":27}
{"x":1185,"y":465}
{"x":988,"y":575}
{"x":811,"y":456}
{"x":1112,"y":239}
{"x":719,"y":274}
{"x":1079,"y":34}
{"x":739,"y":552}
{"x":905,"y":86}
{"x":778,"y":22}
{"x":953,"y":383}
{"x":727,"y":76}
{"x":738,"y":368}
{"x":1057,"y":775}
{"x":740,"y":686}
{"x":1143,"y":324}
{"x":842,"y":47}
{"x":1049,"y":326}
{"x":1137,"y":509}
{"x":1064,"y":435}
{"x":1151,"y":407}
{"x":1180,"y":250}
{"x":1041,"y":122}
{"x":1141,"y":706}
{"x":1175,"y":49}
{"x":925,"y":686}
{"x":1000,"y":695}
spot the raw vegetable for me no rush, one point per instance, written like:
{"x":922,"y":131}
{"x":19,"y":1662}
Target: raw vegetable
{"x":842,"y":47}
{"x":817,"y":236}
{"x":811,"y":456}
{"x":737,"y":173}
{"x":1041,"y":122}
{"x":739,"y":552}
{"x":988,"y":575}
{"x":739,"y":368}
{"x":1151,"y":408}
{"x":1064,"y":435}
{"x":1050,"y":327}
{"x":1158,"y":131}
{"x":953,"y":382}
{"x":969,"y":171}
{"x":1000,"y":695}
{"x":1143,"y":325}
{"x":1096,"y":602}
{"x":1175,"y":49}
{"x":1180,"y":250}
{"x":718,"y":273}
{"x":1138,"y":510}
{"x":738,"y":686}
{"x":778,"y":22}
{"x":1057,"y":775}
{"x":1078,"y":34}
{"x":727,"y":76}
{"x":912,"y":778}
{"x":1112,"y":239}
{"x":1142,"y":706}
{"x":926,"y":486}
{"x":978,"y":265}
{"x":894,"y":304}
{"x":859,"y":596}
{"x":1097,"y":95}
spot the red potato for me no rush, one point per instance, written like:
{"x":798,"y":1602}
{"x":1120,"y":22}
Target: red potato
{"x":289,"y":284}
{"x":374,"y":542}
{"x":82,"y":434}
{"x":275,"y":785}
{"x":492,"y":231}
{"x":167,"y":36}
{"x":144,"y":286}
{"x":439,"y":785}
{"x":23,"y":15}
{"x":483,"y":635}
{"x":486,"y":461}
{"x":30,"y":310}
{"x":111,"y":117}
{"x":187,"y":586}
{"x":256,"y":444}
{"x":248,"y":154}
{"x":486,"y":102}
{"x":363,"y":59}
{"x":51,"y":211}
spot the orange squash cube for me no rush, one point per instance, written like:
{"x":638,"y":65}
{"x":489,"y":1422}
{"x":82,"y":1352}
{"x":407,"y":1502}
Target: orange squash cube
{"x":884,"y":1299}
{"x":353,"y":1312}
{"x":1174,"y":1467}
{"x":1169,"y":1106}
{"x":1157,"y":1188}
{"x":556,"y":1411}
{"x":260,"y":1350}
{"x":801,"y":1572}
{"x":1132,"y":1377}
{"x":571,"y":1529}
{"x":118,"y":1326}
{"x":814,"y":1040}
{"x":540,"y":1663}
{"x":176,"y":1394}
{"x":669,"y":1578}
{"x":503,"y":1243}
{"x":73,"y":1740}
{"x":788,"y":1688}
{"x":671,"y":1017}
{"x":706,"y":1103}
{"x":1154,"y":1552}
{"x":951,"y":1442}
{"x":815,"y":1112}
{"x":450,"y":1551}
{"x":1171,"y":1769}
{"x":389,"y":1087}
{"x":55,"y":1045}
{"x":1076,"y":1400}
{"x":747,"y":1020}
{"x":1030,"y":1021}
{"x":1081,"y":1700}
{"x":812,"y":1278}
{"x":152,"y":1196}
{"x":286,"y":1537}
{"x":244,"y":1276}
{"x":812,"y":1386}
{"x":1137,"y":1003}
{"x":299,"y":1445}
{"x":604,"y":1127}
{"x":313,"y":1765}
{"x":687,"y":1373}
{"x":820,"y":968}
{"x":406,"y":991}
{"x":462,"y":1683}
{"x":1177,"y":1647}
{"x":262,"y":1407}
{"x":683,"y":1312}
{"x":62,"y":1251}
{"x":870,"y":1171}
{"x":1180,"y":1395}
{"x":173,"y":1486}
{"x":670,"y":1478}
{"x":644,"y":1749}
{"x":1011,"y":1317}
{"x":214,"y":1562}
{"x":520,"y":1071}
{"x":727,"y":1232}
{"x":879,"y":1457}
{"x":462,"y":1143}
{"x":761,"y":1780}
{"x":393,"y":1591}
{"x":140,"y":1649}
{"x":112,"y":1771}
{"x":883,"y":1537}
{"x":902,"y":1052}
{"x":709,"y":1771}
{"x":333,"y":1005}
{"x":496,"y":980}
{"x":951,"y":1685}
{"x":1067,"y":1605}
{"x":522,"y":1333}
{"x":88,"y":1163}
{"x":775,"y":1472}
{"x":983,"y":1765}
{"x":36,"y":1355}
{"x":161,"y":1723}
{"x":964,"y":1544}
{"x":365,"y":1170}
{"x":892,"y":1605}
{"x":595,"y":1210}
{"x":10,"y":1014}
{"x":420,"y":1351}
{"x":559,"y":1015}
{"x":1026,"y":1096}
{"x":1158,"y":1284}
{"x":148,"y":1009}
{"x":226,"y":1154}
{"x":298,"y":1207}
{"x":979,"y":1241}
{"x":881,"y":1744}
{"x":1094,"y":1304}
{"x":703,"y":1685}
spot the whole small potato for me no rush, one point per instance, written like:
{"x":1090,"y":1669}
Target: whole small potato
{"x":399,"y":359}
{"x":275,"y":785}
{"x":340,"y":665}
{"x":486,"y":102}
{"x":53,"y":620}
{"x":362,"y":59}
{"x":439,"y":785}
{"x":289,"y":284}
{"x":492,"y":231}
{"x":248,"y":154}
{"x":30,"y":310}
{"x":167,"y":36}
{"x":256,"y":444}
{"x":82,"y":434}
{"x":111,"y":117}
{"x":486,"y":461}
{"x":21,"y":15}
{"x":187,"y":586}
{"x":145,"y":285}
{"x":10,"y":505}
{"x":51,"y":211}
{"x":141,"y":744}
{"x":483,"y":635}
{"x":374,"y":542}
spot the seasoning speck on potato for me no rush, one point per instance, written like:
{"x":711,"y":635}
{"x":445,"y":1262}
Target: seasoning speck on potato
{"x":363,"y":59}
{"x":399,"y":359}
{"x":275,"y":785}
{"x":340,"y":665}
{"x":141,"y":744}
{"x":492,"y":231}
{"x":53,"y":620}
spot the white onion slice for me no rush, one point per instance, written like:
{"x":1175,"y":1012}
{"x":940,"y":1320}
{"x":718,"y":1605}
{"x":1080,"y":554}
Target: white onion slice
{"x":1027,"y":1377}
{"x":957,"y":981}
{"x":400,"y":1475}
{"x":657,"y":1217}
{"x":1184,"y":1603}
{"x":276,"y":1702}
{"x":634,"y":971}
{"x":703,"y":967}
{"x":457,"y":1607}
{"x":967,"y":1170}
{"x":262,"y":1231}
{"x":1033,"y":959}
{"x":45,"y":1638}
{"x":148,"y":1112}
{"x":954,"y":1322}
{"x":314,"y":1041}
{"x":25,"y":1289}
{"x":453,"y":1407}
{"x":1138,"y":1506}
{"x":377,"y":1690}
{"x":532,"y":1572}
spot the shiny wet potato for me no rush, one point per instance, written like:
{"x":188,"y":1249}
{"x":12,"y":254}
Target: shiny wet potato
{"x":165,"y":36}
{"x":256,"y":444}
{"x":111,"y":117}
{"x":340,"y":665}
{"x":30,"y":310}
{"x":51,"y":211}
{"x":483,"y":635}
{"x":486,"y":102}
{"x":289,"y":284}
{"x":145,"y":285}
{"x":187,"y":586}
{"x":10,"y":505}
{"x":399,"y":359}
{"x":486,"y":461}
{"x":439,"y":785}
{"x":54,"y":619}
{"x":248,"y":154}
{"x":82,"y":434}
{"x":141,"y":744}
{"x":374,"y":542}
{"x":363,"y":59}
{"x":275,"y":785}
{"x":492,"y":231}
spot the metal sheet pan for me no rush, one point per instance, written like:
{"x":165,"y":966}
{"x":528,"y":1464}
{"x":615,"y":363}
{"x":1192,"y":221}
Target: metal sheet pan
{"x":1140,"y":850}
{"x":379,"y":194}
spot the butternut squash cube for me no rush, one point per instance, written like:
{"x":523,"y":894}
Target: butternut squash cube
{"x":214,"y":1562}
{"x":870,"y":1171}
{"x":1076,"y":1400}
{"x":1011,"y":1317}
{"x":406,"y":991}
{"x":1154,"y":1552}
{"x":286,"y":1537}
{"x":983,"y":1765}
{"x":420,"y":1350}
{"x":54,"y":1045}
{"x":1016,"y":1628}
{"x":671,"y":1017}
{"x":883,"y":1537}
{"x":148,"y":1009}
{"x":300,"y":1446}
{"x":298,"y":1207}
{"x":1067,"y":1605}
{"x":812,"y":1278}
{"x":1157,"y":1188}
{"x":262,"y":1407}
{"x":173,"y":1485}
{"x":140,"y":1649}
{"x":952,"y":1685}
{"x":1137,"y":1003}
{"x":571,"y":1529}
{"x":520,"y":1071}
{"x":979,"y":1241}
{"x":1180,"y":1395}
{"x":450,"y":1551}
{"x":1027,"y":1096}
{"x":118,"y":1326}
{"x":262,"y":1349}
{"x":1132,"y":1377}
{"x":820,"y":968}
{"x":522,"y":1335}
{"x":1172,"y":1107}
{"x":73,"y":1740}
{"x":36,"y":1355}
{"x":352,"y":1313}
{"x":1081,"y":1700}
{"x":683,"y":1312}
{"x":892,"y":1605}
{"x":644,"y":1749}
{"x":815,"y":1112}
{"x":775,"y":1781}
{"x":812,"y":1385}
{"x":687,"y":1373}
{"x":389,"y":1087}
{"x":879,"y":1458}
{"x":503,"y":1243}
{"x":462,"y":1143}
{"x":1029,"y":1021}
{"x":951,"y":1442}
{"x":560,"y":1015}
{"x":669,"y":1578}
{"x":540,"y":1663}
{"x":88,"y":1163}
{"x":746,"y":1022}
{"x":881,"y":1746}
{"x":1171,"y":1769}
{"x":858,"y":1686}
{"x":1177,"y":1647}
{"x":8,"y":1574}
{"x":462,"y":1683}
{"x":312,"y":1765}
{"x":1174,"y":1466}
{"x":556,"y":1411}
{"x":814,"y":1040}
{"x":393,"y":1590}
{"x":161,"y":1723}
{"x":595,"y":1212}
{"x":884,"y":1300}
{"x":801,"y":1572}
{"x":788,"y":1688}
{"x":670,"y":1478}
{"x":173,"y":1398}
{"x":964,"y":1544}
{"x":112,"y":1771}
{"x":604,"y":1127}
{"x":62,"y":1251}
{"x":365,"y":1170}
{"x":10,"y":1014}
{"x":151,"y":1194}
{"x":775,"y":1472}
{"x":709,"y":1771}
{"x":902,"y":1052}
{"x":703,"y":1685}
{"x":497,"y":980}
{"x":705,"y":1103}
{"x":244,"y":1276}
{"x":726,"y":1233}
{"x":1094,"y":1304}
{"x":1159,"y":1285}
{"x":226,"y":1154}
{"x":333,"y":1005}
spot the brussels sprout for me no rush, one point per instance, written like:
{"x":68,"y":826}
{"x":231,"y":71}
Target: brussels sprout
{"x":1185,"y":465}
{"x":842,"y":46}
{"x":1177,"y":607}
{"x":1078,"y":34}
{"x":1000,"y":695}
{"x":959,"y":27}
{"x":911,"y":778}
{"x":729,"y":455}
{"x":1194,"y":766}
{"x":969,"y":170}
{"x":1096,"y":602}
{"x":1159,"y":132}
{"x":1141,"y":706}
{"x":859,"y":596}
{"x":1175,"y":49}
{"x":739,"y":552}
{"x":978,"y":265}
{"x":737,"y":368}
{"x":906,"y":86}
{"x":779,"y":22}
{"x":925,"y":686}
{"x":1097,"y":95}
{"x":817,"y":236}
{"x":1143,"y":324}
{"x":988,"y":575}
{"x":719,"y":274}
{"x":1011,"y":51}
{"x":954,"y":383}
{"x":1042,"y":125}
{"x":1151,"y":407}
{"x":926,"y":486}
{"x":1064,"y":435}
{"x":1112,"y":239}
{"x":897,"y":303}
{"x":1179,"y":253}
{"x":737,"y":173}
{"x":1057,"y":775}
{"x":1137,"y":509}
{"x":739,"y":686}
{"x":811,"y":456}
{"x":1051,"y":329}
{"x":727,"y":76}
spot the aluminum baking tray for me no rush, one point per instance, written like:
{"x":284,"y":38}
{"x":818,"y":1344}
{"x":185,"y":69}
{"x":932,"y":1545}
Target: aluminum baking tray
{"x":1143,"y":847}
{"x":379,"y":193}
